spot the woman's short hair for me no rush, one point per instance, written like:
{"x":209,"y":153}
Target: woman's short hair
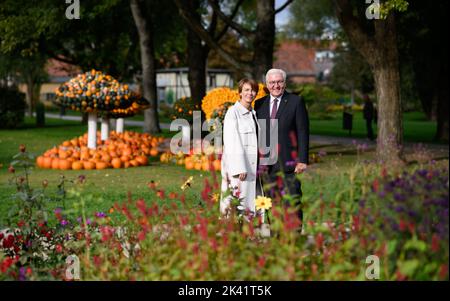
{"x":249,"y":81}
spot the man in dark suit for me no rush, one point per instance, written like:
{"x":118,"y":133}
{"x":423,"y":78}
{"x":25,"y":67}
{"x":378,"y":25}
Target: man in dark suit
{"x":284,"y":114}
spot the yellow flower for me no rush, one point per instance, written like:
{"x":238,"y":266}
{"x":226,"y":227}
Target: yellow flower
{"x":217,"y":97}
{"x":262,"y":202}
{"x":215,"y":197}
{"x":187,"y":183}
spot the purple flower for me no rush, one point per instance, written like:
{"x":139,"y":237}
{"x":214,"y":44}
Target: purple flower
{"x":382,"y":194}
{"x":399,"y":197}
{"x":362,"y":203}
{"x":290,"y":163}
{"x":64,"y":222}
{"x":88,"y":221}
{"x":57,"y":211}
{"x":79,"y":220}
{"x":399,"y":209}
{"x":100,"y":214}
{"x":22,"y":274}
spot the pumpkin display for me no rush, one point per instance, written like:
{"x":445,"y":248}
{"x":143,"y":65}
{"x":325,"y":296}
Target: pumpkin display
{"x":121,"y":150}
{"x":99,"y":95}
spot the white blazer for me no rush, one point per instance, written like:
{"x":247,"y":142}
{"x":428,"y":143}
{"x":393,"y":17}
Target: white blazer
{"x":240,"y":154}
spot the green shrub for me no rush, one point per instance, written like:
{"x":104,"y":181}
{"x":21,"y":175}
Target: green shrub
{"x":12,"y":108}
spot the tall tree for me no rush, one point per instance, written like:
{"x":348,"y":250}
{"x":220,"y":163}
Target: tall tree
{"x":422,"y":29}
{"x":376,"y":40}
{"x":197,"y":50}
{"x":261,"y":37}
{"x":145,"y":31}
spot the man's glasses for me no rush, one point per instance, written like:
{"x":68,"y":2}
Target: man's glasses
{"x":272,"y":83}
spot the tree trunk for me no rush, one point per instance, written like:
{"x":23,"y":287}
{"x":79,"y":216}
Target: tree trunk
{"x":30,"y":95}
{"x":385,"y":66}
{"x":263,"y":42}
{"x":143,"y":25}
{"x":379,"y":49}
{"x":197,"y":57}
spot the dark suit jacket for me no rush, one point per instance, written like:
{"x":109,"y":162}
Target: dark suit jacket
{"x":293,"y":128}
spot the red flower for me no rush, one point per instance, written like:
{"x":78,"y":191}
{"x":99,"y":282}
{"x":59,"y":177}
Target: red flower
{"x":319,"y":240}
{"x":402,"y":225}
{"x":140,"y":204}
{"x":59,"y":248}
{"x":435,"y":243}
{"x":141,"y":235}
{"x":160,"y":194}
{"x":443,"y":272}
{"x":261,"y":261}
{"x":8,"y":242}
{"x":375,"y":185}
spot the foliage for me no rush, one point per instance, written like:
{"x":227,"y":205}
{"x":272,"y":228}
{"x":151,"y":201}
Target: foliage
{"x":397,"y":214}
{"x":183,"y":108}
{"x":12,"y":108}
{"x":312,"y":19}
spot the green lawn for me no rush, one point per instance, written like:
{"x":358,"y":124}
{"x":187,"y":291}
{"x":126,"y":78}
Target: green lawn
{"x":416,"y":127}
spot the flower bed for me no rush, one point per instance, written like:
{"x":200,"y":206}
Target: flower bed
{"x":397,"y":216}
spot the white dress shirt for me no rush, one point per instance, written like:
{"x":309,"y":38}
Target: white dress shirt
{"x":272,"y":98}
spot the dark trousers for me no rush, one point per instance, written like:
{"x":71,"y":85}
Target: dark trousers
{"x":369,"y":129}
{"x":291,"y":185}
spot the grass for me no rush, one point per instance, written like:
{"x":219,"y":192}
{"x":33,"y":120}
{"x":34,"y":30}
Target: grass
{"x":113,"y":185}
{"x":416,"y":127}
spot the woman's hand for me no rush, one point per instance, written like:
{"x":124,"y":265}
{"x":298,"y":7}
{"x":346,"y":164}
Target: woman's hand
{"x":241,"y":176}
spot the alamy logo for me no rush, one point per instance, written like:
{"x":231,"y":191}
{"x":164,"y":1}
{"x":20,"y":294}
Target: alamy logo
{"x":73,"y":268}
{"x":73,"y":10}
{"x":373,"y":270}
{"x":373,"y":10}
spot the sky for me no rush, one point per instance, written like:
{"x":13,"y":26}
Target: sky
{"x":282,"y":17}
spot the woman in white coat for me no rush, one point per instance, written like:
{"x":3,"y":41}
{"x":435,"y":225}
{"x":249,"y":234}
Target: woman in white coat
{"x":240,"y":150}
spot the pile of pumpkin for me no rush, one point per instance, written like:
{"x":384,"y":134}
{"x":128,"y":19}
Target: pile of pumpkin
{"x":121,"y":150}
{"x":205,"y":162}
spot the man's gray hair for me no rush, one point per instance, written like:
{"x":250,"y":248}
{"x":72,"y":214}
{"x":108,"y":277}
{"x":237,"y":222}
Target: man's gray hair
{"x":276,"y":71}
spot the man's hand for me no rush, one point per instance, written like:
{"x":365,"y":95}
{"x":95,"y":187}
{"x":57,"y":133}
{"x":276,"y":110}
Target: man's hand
{"x":300,"y":167}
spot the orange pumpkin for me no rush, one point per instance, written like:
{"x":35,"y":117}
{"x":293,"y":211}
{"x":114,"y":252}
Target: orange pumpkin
{"x":116,"y":163}
{"x":101,"y":165}
{"x":88,"y":165}
{"x":153,"y":152}
{"x":65,"y":164}
{"x":40,"y":161}
{"x":47,"y":163}
{"x":77,"y":165}
{"x":205,"y":166}
{"x":217,"y":165}
{"x":125,"y":158}
{"x":55,"y":163}
{"x":142,"y":160}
